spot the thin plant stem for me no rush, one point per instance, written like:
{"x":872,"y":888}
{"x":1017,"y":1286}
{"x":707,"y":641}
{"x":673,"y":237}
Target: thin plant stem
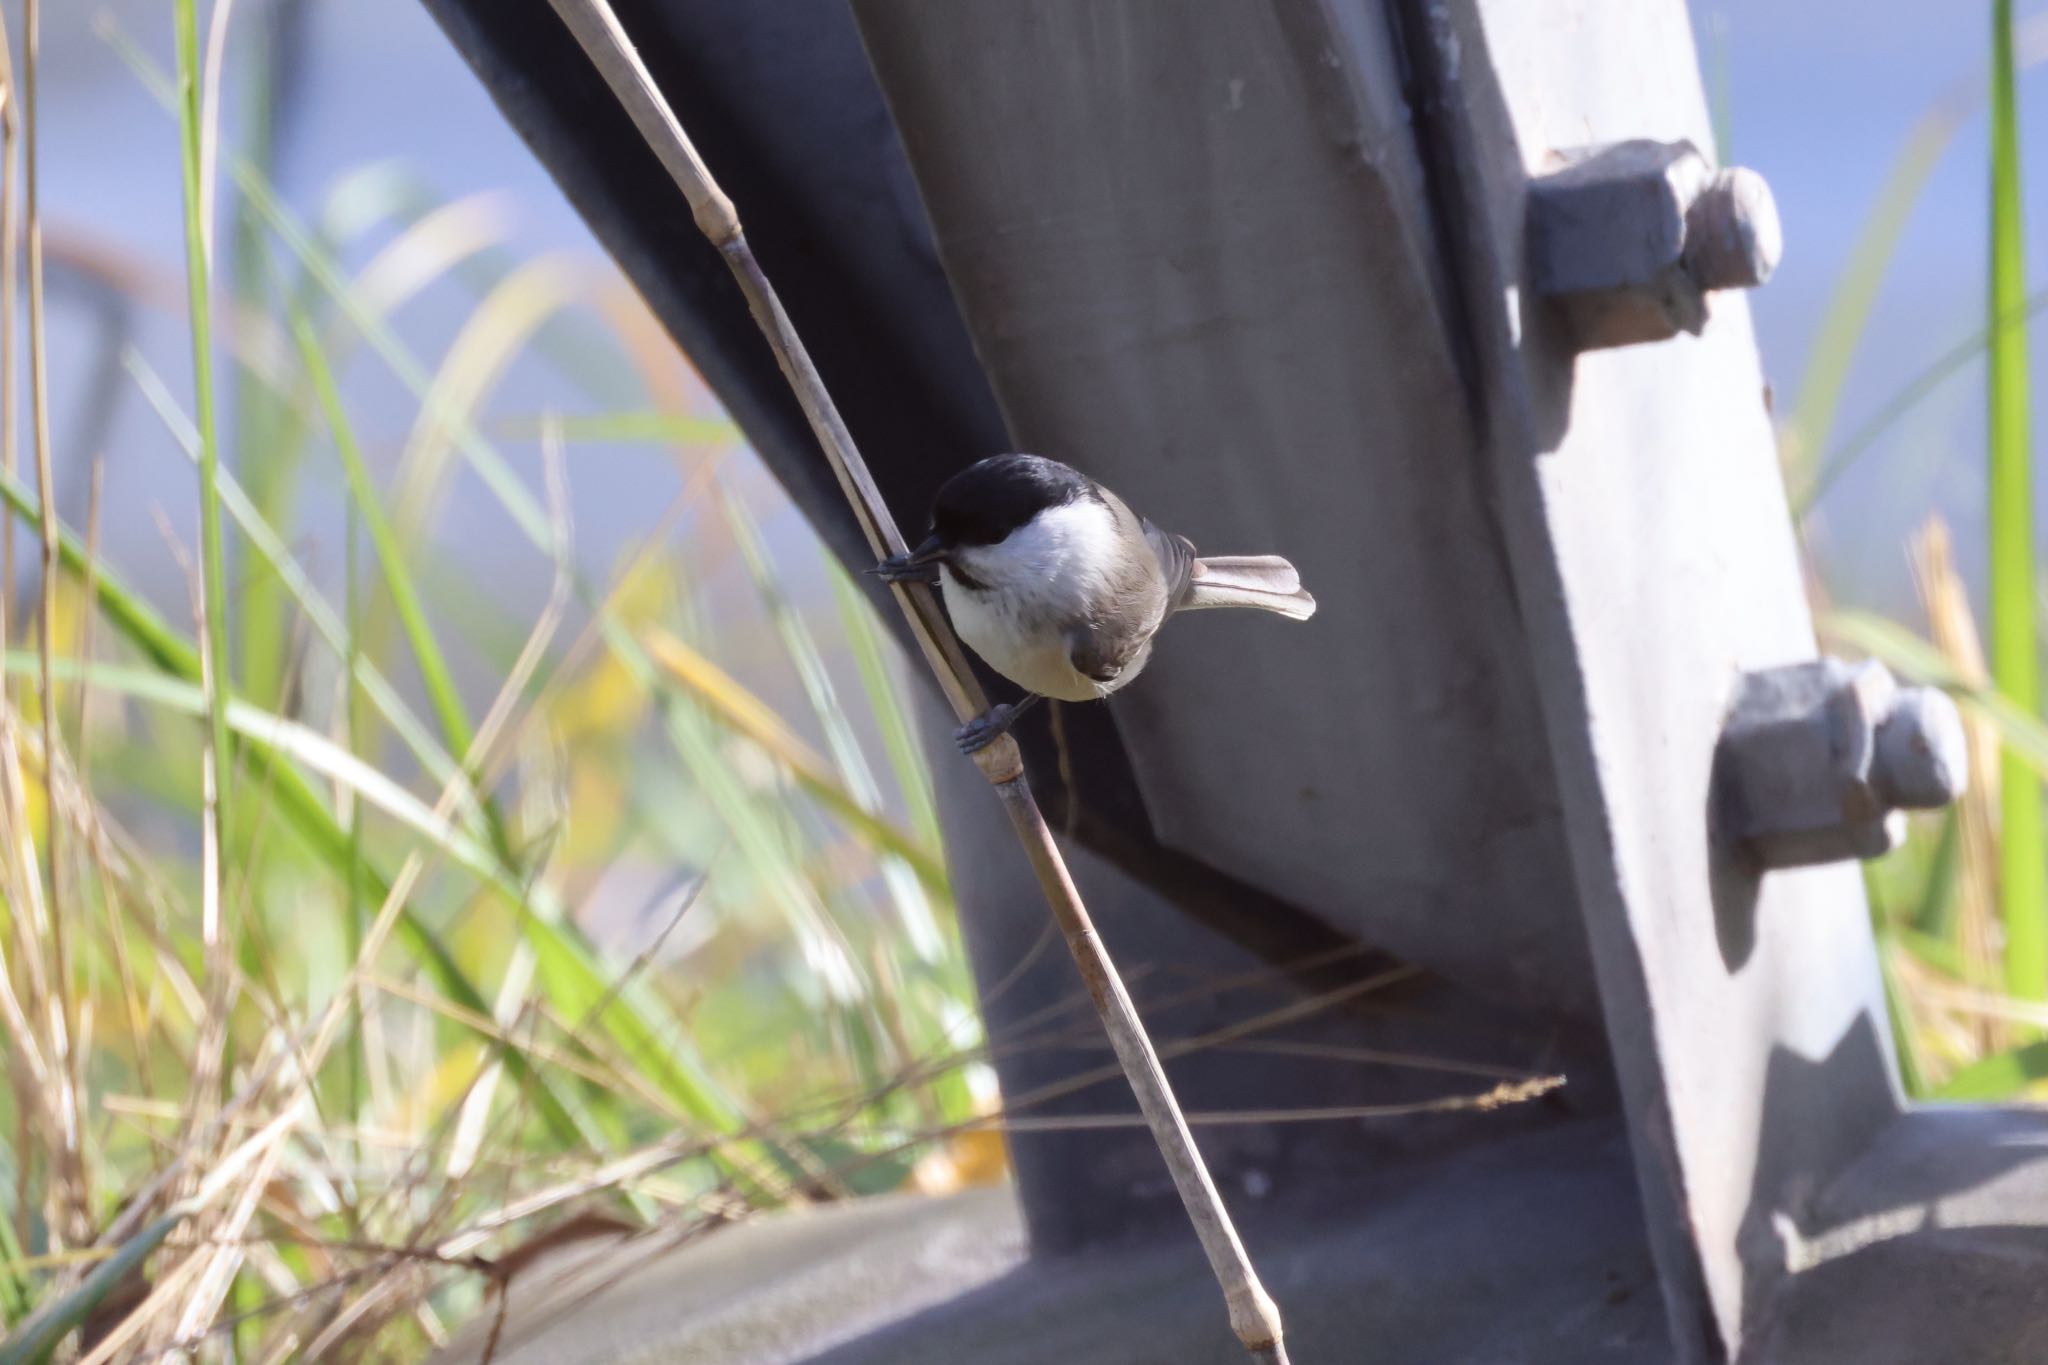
{"x":351,"y":713}
{"x":63,"y":1023}
{"x":10,"y":232}
{"x":2015,"y":664}
{"x":1253,"y":1316}
{"x":213,"y":576}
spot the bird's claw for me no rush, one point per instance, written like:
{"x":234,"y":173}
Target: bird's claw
{"x":986,"y":728}
{"x":899,"y":569}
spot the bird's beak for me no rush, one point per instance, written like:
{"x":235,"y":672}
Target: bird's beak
{"x":918,"y":563}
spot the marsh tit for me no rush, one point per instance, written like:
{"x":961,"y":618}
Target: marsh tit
{"x":1060,"y":586}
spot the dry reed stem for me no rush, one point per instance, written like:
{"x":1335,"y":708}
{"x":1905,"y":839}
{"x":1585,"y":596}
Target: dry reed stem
{"x":171,"y":1282}
{"x":219,"y":986}
{"x":209,"y":119}
{"x":70,"y":1193}
{"x":1953,"y":628}
{"x":26,"y":1070}
{"x":518,"y":975}
{"x":1500,"y":1096}
{"x":10,"y":232}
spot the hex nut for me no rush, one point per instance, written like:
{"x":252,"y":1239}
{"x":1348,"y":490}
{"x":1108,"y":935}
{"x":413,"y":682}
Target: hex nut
{"x":1629,"y":238}
{"x":1816,"y":762}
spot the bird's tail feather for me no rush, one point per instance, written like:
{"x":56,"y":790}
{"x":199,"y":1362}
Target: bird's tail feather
{"x":1266,"y":582}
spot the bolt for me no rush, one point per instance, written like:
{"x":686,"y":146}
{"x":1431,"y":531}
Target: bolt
{"x":1817,"y":760}
{"x":1732,"y":236}
{"x":1630,"y":238}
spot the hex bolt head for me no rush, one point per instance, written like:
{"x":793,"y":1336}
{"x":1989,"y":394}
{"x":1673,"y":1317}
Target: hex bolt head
{"x":1629,"y":238}
{"x":1817,"y":760}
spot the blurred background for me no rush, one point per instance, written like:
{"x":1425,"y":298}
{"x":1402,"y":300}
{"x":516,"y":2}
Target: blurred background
{"x":686,"y":888}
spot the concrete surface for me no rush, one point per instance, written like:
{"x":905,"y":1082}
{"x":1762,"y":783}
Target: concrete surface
{"x":1528,"y":1253}
{"x":1930,"y":1247}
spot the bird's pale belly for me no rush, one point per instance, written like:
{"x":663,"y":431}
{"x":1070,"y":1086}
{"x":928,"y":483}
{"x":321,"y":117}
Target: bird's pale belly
{"x":1032,"y":655}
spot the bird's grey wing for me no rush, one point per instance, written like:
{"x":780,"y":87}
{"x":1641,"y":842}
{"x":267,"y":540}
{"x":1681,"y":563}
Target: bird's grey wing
{"x":1139,"y":590}
{"x":1173,"y":556}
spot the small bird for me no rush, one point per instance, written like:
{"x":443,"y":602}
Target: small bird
{"x":1060,"y":586}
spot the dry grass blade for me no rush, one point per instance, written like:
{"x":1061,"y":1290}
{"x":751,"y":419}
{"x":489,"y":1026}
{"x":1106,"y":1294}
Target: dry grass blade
{"x":1953,"y":628}
{"x":61,"y":1009}
{"x":492,"y":337}
{"x":518,"y":975}
{"x":744,"y":713}
{"x":431,"y":248}
{"x":255,"y":1152}
{"x":1499,"y":1096}
{"x":31,"y":1073}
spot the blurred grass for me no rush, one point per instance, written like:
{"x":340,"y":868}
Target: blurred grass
{"x":1961,"y":912}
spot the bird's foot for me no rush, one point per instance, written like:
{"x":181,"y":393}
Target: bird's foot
{"x":899,"y":569}
{"x":990,"y":726}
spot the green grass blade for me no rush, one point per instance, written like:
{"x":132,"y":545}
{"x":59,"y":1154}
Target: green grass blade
{"x":637,"y":1021}
{"x":2015,"y":660}
{"x":1908,"y":396}
{"x":1912,"y":1073}
{"x":288,"y":792}
{"x":321,"y":267}
{"x":588,"y":356}
{"x":628,"y":426}
{"x":37,"y":1339}
{"x":2024,"y":735}
{"x":306,"y":747}
{"x":434,"y":673}
{"x":913,"y":908}
{"x":268,"y":436}
{"x":259,"y":535}
{"x":15,"y":1300}
{"x":213,"y":568}
{"x":577,"y":982}
{"x":891,"y":711}
{"x":1935,"y":915}
{"x":1997,"y":1077}
{"x":739,"y":711}
{"x":355,"y":921}
{"x":1847,"y":318}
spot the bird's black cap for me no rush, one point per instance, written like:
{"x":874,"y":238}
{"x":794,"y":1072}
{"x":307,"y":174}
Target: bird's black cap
{"x":986,"y":501}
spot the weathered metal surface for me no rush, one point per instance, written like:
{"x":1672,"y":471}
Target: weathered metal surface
{"x":1932,"y":1246}
{"x":1091,"y":1185}
{"x":1654,"y":561}
{"x":1819,"y":761}
{"x":1192,"y":246}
